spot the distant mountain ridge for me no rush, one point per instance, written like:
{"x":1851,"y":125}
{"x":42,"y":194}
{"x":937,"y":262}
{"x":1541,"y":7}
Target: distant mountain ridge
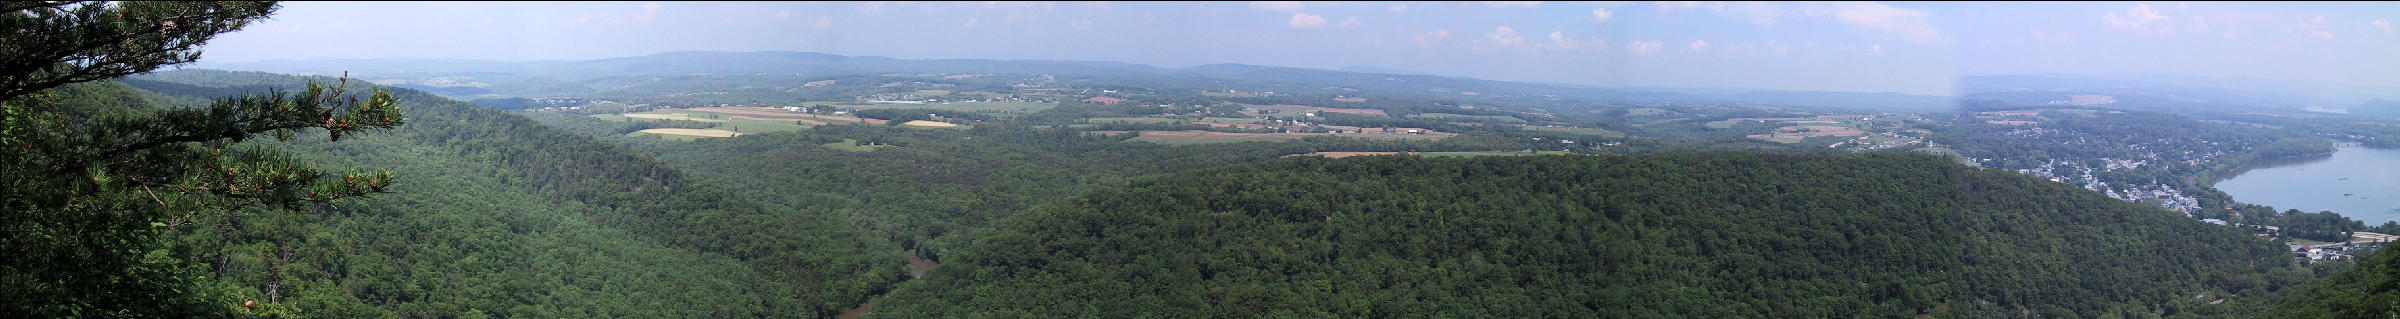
{"x":2172,"y":93}
{"x":821,"y":64}
{"x":1382,"y":70}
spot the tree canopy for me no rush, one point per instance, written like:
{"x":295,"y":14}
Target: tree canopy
{"x":93,"y":174}
{"x":1666,"y":235}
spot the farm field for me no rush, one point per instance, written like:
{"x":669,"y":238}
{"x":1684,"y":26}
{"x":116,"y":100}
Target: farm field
{"x":1006,"y":108}
{"x":670,"y":116}
{"x":1646,"y":111}
{"x":1304,"y":108}
{"x":685,"y":134}
{"x":1235,"y":125}
{"x":1131,"y":120}
{"x":1230,"y":94}
{"x":727,"y":122}
{"x":772,"y":113}
{"x":1793,"y":134}
{"x":1837,"y":130}
{"x":1878,"y":141}
{"x":1432,"y":154}
{"x":1728,"y":123}
{"x":1470,"y":118}
{"x":1207,"y":137}
{"x":1577,"y":130}
{"x":927,"y":124}
{"x":1234,"y":120}
{"x":1491,"y":153}
{"x":1343,"y":154}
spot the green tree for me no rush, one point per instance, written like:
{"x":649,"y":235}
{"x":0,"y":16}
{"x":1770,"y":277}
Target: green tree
{"x":92,"y":175}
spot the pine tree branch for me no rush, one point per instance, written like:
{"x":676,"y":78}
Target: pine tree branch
{"x":15,"y":6}
{"x":87,"y":49}
{"x":251,"y":197}
{"x":189,"y":138}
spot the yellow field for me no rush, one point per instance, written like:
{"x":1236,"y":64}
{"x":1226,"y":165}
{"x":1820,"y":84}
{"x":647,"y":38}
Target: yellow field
{"x":692,"y":132}
{"x":670,"y":116}
{"x":927,"y":124}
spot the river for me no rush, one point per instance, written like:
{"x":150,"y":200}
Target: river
{"x":2360,"y":183}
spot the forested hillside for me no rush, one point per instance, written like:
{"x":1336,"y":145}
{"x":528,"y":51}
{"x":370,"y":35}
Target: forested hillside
{"x":924,"y":187}
{"x":494,"y":214}
{"x":2370,"y":289}
{"x":1693,"y":234}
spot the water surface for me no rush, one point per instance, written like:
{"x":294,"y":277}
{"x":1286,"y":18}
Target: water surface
{"x":2361,"y":183}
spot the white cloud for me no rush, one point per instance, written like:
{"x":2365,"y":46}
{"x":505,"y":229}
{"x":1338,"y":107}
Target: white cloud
{"x":1503,"y":36}
{"x":822,"y":24}
{"x":1080,"y":24}
{"x":2313,"y":28}
{"x":1278,"y":6}
{"x":1908,"y":25}
{"x":1512,"y":4}
{"x":1903,"y":24}
{"x":1642,"y":47}
{"x":1397,"y":8}
{"x":1428,"y":37}
{"x":2135,"y":17}
{"x":1304,"y":21}
{"x":1348,"y":22}
{"x":970,"y":23}
{"x":649,"y":11}
{"x":1602,"y":14}
{"x":1699,"y":45}
{"x":1876,"y":50}
{"x":786,"y":14}
{"x":1780,"y":50}
{"x":2385,"y":25}
{"x":1560,"y":39}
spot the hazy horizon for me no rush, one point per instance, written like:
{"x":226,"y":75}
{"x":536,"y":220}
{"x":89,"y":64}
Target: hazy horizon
{"x":1914,"y":48}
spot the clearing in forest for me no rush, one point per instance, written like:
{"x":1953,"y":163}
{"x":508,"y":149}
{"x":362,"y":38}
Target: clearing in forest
{"x":692,"y":132}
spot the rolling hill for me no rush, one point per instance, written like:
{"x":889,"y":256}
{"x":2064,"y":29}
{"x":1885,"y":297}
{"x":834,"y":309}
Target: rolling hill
{"x":1692,"y":234}
{"x":498,"y":215}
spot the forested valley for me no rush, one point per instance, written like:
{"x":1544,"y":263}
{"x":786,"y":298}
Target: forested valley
{"x":703,"y":184}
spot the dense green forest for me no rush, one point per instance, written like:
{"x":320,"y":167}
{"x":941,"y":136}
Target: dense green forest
{"x":1696,"y":234}
{"x":495,"y":214}
{"x":923,"y":186}
{"x":2369,"y":289}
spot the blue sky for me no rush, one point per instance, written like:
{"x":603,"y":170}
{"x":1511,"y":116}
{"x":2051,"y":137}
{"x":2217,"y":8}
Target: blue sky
{"x":1911,"y":47}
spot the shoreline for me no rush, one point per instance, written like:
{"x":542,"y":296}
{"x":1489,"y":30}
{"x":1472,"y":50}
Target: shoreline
{"x":2245,"y":168}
